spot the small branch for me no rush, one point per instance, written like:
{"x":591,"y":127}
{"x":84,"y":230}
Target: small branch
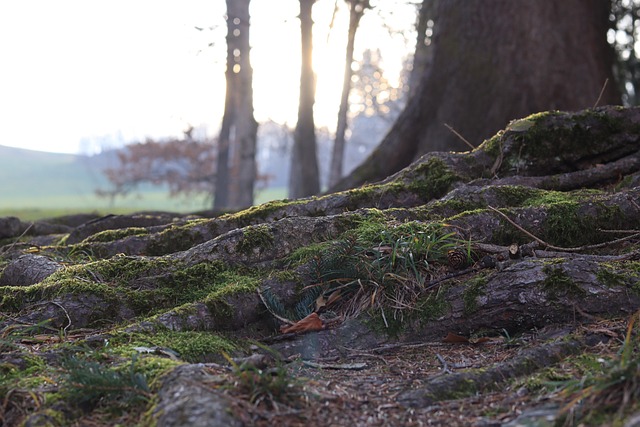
{"x":348,"y":366}
{"x":619,"y":231}
{"x":536,"y":238}
{"x":431,"y":284}
{"x":633,"y":202}
{"x":601,"y":93}
{"x":445,"y":365}
{"x":66,"y":313}
{"x":280,"y":318}
{"x":460,"y":136}
{"x":17,"y":239}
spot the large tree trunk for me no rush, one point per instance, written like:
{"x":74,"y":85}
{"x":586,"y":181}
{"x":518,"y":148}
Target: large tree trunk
{"x":422,"y":55}
{"x":236,"y":172}
{"x":304,"y":179}
{"x":494,"y":61}
{"x":356,"y":10}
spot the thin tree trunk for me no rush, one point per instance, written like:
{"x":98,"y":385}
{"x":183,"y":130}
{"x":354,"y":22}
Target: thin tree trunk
{"x":236,"y":165}
{"x":304,"y":177}
{"x":356,"y":10}
{"x":243,"y":156}
{"x":221,"y":196}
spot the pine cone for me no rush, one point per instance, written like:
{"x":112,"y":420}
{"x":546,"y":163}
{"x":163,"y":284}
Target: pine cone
{"x":457,"y":259}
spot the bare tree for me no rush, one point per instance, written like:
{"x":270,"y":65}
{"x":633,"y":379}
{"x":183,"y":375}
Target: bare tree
{"x":304,"y":177}
{"x":236,"y":164}
{"x":356,"y":11}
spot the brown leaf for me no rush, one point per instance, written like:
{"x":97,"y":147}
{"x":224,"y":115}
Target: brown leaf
{"x":310,"y":323}
{"x":455,"y":339}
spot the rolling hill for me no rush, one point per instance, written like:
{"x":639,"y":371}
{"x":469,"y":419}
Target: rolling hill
{"x":35,"y":184}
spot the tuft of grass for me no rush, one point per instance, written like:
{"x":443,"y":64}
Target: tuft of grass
{"x":380,"y":267}
{"x":264,"y":386}
{"x":612,"y":391}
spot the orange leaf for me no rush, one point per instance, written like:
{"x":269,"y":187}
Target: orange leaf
{"x":310,"y":323}
{"x":453,"y":338}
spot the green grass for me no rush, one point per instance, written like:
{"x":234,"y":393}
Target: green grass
{"x":30,"y":209}
{"x":38,"y":185}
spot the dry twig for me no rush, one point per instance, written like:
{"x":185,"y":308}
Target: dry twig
{"x":462,"y":138}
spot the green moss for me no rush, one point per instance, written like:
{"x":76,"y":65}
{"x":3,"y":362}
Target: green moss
{"x":572,"y":219}
{"x":285,"y":276}
{"x":432,"y":179}
{"x":154,"y":367}
{"x":272,"y":210}
{"x":179,"y":237}
{"x":193,"y":346}
{"x":112,"y":235}
{"x":557,"y":282}
{"x":434,"y":305}
{"x":514,"y":195}
{"x":385,"y":322}
{"x":255,"y":238}
{"x":546,"y":197}
{"x":493,"y":145}
{"x":577,"y":134}
{"x":624,"y":183}
{"x":620,"y":275}
{"x":233,"y":282}
{"x":146,"y":286}
{"x":474,"y":288}
{"x":15,"y":298}
{"x":568,"y":225}
{"x":306,"y":253}
{"x":29,"y":376}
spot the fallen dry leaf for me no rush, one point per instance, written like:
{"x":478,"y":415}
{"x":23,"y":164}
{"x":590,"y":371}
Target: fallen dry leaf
{"x":310,"y":323}
{"x":453,"y":338}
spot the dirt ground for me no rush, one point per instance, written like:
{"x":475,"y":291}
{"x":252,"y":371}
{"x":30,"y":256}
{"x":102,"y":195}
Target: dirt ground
{"x":365,"y":388}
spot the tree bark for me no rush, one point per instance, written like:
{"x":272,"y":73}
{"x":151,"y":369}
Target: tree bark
{"x":304,"y":179}
{"x":494,"y":62}
{"x":221,"y":195}
{"x":356,"y":11}
{"x":422,"y":54}
{"x":236,"y":172}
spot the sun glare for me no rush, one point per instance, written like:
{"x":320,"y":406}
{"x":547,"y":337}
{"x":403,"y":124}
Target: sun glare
{"x":275,"y":56}
{"x":106,"y":72}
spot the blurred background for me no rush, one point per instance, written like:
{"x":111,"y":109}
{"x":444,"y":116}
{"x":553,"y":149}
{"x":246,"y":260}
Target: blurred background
{"x":117,"y":106}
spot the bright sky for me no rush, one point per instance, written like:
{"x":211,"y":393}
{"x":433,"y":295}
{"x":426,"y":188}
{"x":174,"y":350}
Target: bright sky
{"x":79,"y":73}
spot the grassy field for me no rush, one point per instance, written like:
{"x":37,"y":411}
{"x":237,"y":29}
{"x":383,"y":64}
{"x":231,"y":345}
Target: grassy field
{"x":35,"y":185}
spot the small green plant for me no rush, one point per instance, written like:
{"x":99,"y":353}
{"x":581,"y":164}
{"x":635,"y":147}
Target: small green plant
{"x":612,"y":391}
{"x":387,"y":266}
{"x":269,"y":386}
{"x":89,"y":383}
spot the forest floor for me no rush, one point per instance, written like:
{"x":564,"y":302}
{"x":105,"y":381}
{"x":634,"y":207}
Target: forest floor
{"x":365,"y":388}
